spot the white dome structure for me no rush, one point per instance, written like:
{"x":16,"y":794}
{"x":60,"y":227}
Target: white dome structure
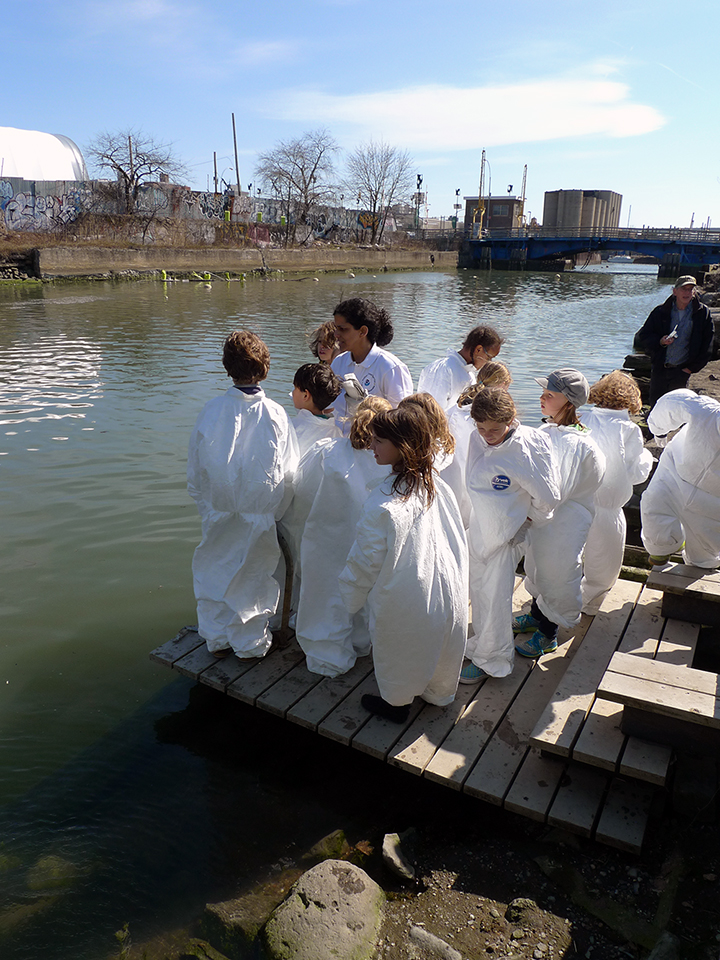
{"x":32,"y":155}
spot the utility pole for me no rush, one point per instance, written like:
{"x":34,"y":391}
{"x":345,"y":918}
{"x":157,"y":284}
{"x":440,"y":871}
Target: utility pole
{"x":237,"y":165}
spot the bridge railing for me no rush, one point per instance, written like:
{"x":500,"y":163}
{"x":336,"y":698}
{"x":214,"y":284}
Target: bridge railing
{"x":662,"y":234}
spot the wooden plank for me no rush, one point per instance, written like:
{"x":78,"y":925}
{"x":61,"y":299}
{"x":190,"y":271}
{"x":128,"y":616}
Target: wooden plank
{"x":678,"y":643}
{"x":691,"y":607}
{"x":322,"y":699}
{"x":378,"y":736}
{"x":686,"y":678}
{"x":220,"y":674}
{"x":643,"y":760}
{"x":669,"y":731}
{"x":653,"y":697}
{"x":601,"y":740}
{"x":707,"y":586}
{"x":645,"y":628}
{"x":492,"y":775}
{"x":419,"y":743}
{"x":534,"y":787}
{"x":682,"y":572}
{"x":288,"y":690}
{"x":624,"y":815}
{"x":267,"y":671}
{"x":194,"y":662}
{"x":458,"y":753}
{"x":186,"y":640}
{"x":349,"y":716}
{"x":561,"y":721}
{"x":578,"y":799}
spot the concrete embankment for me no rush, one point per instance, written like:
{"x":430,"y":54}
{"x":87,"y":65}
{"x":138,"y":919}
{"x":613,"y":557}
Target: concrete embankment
{"x":85,"y":261}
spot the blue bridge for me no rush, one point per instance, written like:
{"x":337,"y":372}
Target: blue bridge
{"x":675,"y":249}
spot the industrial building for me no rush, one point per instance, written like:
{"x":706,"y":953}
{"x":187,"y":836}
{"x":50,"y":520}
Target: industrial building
{"x":585,"y":210}
{"x":499,"y":213}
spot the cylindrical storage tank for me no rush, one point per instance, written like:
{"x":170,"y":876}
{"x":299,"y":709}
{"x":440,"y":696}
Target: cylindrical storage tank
{"x":571,"y":213}
{"x":589,"y":214}
{"x":550,"y":208}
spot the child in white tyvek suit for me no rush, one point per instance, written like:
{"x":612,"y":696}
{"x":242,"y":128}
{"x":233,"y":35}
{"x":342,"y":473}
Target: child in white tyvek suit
{"x":682,"y":501}
{"x":334,"y":480}
{"x":315,"y":389}
{"x":409,"y":564}
{"x":510,"y":478}
{"x":627,"y":462}
{"x":462,"y":427}
{"x":241,"y":460}
{"x":553,"y":556}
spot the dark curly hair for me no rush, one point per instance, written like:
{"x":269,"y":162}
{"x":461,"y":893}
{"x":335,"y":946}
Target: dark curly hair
{"x":364,"y":313}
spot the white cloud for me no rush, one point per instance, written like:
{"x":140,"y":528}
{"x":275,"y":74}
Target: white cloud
{"x":433,"y":117}
{"x":257,"y":53}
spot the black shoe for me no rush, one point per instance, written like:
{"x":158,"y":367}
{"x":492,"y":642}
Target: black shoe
{"x":382,"y":708}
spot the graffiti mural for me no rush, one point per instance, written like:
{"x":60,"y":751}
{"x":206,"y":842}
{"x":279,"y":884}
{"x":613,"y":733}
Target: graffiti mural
{"x":29,"y":210}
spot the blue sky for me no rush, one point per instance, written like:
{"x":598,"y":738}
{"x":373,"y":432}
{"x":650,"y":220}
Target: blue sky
{"x":619,"y":95}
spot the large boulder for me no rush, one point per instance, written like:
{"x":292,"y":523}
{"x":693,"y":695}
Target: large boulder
{"x":334,"y":910}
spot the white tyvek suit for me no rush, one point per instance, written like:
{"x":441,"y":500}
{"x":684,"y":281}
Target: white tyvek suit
{"x":241,"y":460}
{"x":682,"y":501}
{"x":409,"y":564}
{"x":446,"y":378}
{"x":310,"y":428}
{"x":553,"y":556}
{"x":292,"y":526}
{"x":380,"y":374}
{"x":462,"y":427}
{"x":340,"y":482}
{"x":627,"y":462}
{"x":507,"y":483}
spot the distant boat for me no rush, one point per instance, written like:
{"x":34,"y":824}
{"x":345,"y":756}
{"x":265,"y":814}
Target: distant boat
{"x":620,"y":258}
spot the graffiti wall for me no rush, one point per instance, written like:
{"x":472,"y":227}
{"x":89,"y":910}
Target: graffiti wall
{"x":52,"y":205}
{"x":47,"y":205}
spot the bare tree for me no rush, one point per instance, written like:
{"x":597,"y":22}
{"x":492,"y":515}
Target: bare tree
{"x":380,"y":175}
{"x":299,"y":172}
{"x":134,"y":159}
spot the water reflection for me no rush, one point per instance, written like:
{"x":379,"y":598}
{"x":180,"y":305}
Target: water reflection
{"x":101,"y":385}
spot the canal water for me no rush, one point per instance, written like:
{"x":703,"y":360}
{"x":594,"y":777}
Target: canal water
{"x":127,"y":796}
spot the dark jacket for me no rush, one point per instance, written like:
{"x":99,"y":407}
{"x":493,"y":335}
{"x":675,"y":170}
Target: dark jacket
{"x":659,"y":325}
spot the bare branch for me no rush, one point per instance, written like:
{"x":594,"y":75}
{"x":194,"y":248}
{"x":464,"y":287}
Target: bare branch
{"x":133,"y":159}
{"x":380,"y":175}
{"x":299,"y":172}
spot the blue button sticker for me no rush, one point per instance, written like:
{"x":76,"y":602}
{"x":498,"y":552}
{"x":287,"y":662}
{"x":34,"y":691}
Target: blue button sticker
{"x":500,"y":482}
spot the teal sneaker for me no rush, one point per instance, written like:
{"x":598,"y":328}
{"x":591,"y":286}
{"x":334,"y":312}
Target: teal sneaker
{"x":471,"y":674}
{"x":525,"y":623}
{"x":536,"y":646}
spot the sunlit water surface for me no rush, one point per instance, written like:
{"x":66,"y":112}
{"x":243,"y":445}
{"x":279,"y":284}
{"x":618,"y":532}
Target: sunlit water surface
{"x":100,"y":385}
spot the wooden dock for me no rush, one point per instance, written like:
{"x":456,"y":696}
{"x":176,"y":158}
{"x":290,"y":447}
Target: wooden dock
{"x":540,"y":742}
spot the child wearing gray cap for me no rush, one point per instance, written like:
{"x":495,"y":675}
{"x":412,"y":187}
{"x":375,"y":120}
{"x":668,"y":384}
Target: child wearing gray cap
{"x":554,"y":549}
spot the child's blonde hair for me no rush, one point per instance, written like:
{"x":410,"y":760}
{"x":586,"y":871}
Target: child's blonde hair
{"x":444,"y":440}
{"x":494,"y":374}
{"x":616,"y":391}
{"x":469,"y":393}
{"x":494,"y":404}
{"x":361,"y":432}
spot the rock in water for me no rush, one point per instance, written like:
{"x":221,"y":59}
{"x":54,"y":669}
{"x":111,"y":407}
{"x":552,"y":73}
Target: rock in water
{"x":394,"y":858}
{"x":334,"y":910}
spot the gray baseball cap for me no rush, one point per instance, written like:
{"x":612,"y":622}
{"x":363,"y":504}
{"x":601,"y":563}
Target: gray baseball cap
{"x":685,"y":281}
{"x":570,"y":383}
